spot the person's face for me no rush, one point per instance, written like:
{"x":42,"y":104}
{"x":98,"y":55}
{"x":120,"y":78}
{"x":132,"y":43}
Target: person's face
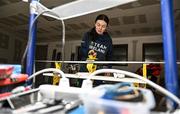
{"x":100,"y":26}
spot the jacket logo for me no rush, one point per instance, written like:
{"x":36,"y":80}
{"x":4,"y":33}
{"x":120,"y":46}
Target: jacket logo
{"x":97,"y":47}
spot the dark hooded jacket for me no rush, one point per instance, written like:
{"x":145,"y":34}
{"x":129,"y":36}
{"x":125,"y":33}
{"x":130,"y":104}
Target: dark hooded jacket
{"x":101,"y":44}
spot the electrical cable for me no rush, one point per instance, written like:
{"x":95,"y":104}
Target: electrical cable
{"x":63,"y":42}
{"x":30,"y":35}
{"x":159,"y":88}
{"x":47,"y":70}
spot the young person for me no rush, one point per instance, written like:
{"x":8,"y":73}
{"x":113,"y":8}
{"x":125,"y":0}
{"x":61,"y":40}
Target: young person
{"x":98,"y":41}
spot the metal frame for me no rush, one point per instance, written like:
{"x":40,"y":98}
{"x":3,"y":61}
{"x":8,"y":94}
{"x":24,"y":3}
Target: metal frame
{"x":169,"y":40}
{"x":171,"y":77}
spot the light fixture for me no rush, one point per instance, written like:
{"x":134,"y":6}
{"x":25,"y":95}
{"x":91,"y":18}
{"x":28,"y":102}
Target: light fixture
{"x":81,"y":7}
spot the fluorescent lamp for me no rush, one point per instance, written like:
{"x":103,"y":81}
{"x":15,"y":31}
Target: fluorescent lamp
{"x":83,"y":7}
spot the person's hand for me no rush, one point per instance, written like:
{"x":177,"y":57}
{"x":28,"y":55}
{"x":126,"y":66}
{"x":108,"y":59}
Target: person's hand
{"x":92,"y":53}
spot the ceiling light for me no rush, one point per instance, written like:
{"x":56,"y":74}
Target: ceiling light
{"x":83,"y":7}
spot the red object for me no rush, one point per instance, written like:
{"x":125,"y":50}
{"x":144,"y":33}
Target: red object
{"x":5,"y":71}
{"x":3,"y":95}
{"x":152,"y":70}
{"x":17,"y":79}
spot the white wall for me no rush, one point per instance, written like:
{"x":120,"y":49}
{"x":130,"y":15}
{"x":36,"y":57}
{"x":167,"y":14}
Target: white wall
{"x":135,"y":51}
{"x":58,"y":47}
{"x":134,"y":48}
{"x":9,"y":52}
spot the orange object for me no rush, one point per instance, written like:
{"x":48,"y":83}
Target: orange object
{"x":16,"y":79}
{"x":5,"y":71}
{"x":6,"y":94}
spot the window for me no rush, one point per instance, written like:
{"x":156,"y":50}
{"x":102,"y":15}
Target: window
{"x":4,"y":44}
{"x":17,"y":51}
{"x":120,"y":53}
{"x":153,"y":52}
{"x":79,"y":53}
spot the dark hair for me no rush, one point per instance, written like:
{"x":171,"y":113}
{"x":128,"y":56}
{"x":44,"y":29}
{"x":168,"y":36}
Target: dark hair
{"x":102,"y":17}
{"x":93,"y":34}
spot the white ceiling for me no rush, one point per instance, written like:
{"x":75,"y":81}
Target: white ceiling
{"x":134,"y":19}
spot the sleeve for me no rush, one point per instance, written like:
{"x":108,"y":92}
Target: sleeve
{"x":84,"y":47}
{"x":109,"y":53}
